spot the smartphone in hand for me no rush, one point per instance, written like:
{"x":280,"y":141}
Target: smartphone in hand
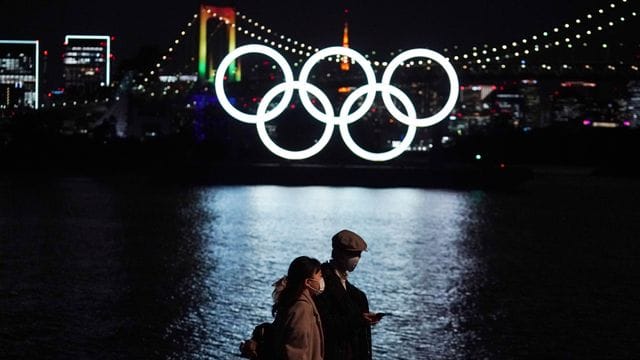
{"x":380,"y":315}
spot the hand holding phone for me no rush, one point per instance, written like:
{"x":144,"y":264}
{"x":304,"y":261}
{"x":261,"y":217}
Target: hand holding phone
{"x":380,"y":315}
{"x":374,"y":318}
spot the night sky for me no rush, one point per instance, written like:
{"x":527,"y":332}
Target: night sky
{"x":399,"y":24}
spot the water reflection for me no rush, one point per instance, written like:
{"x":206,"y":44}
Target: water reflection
{"x":411,"y":270}
{"x":129,"y":268}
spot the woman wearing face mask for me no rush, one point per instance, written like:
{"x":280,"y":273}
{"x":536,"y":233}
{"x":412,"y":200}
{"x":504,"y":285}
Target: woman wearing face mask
{"x":299,"y":329}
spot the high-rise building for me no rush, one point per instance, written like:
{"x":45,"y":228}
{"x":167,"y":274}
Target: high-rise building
{"x":634,"y":104}
{"x":19,"y":74}
{"x":87,"y":62}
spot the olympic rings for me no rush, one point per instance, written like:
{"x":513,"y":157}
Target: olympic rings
{"x":262,"y":129}
{"x":345,"y":117}
{"x":224,"y":65}
{"x":344,"y":126}
{"x":454,"y":87}
{"x":361,"y":60}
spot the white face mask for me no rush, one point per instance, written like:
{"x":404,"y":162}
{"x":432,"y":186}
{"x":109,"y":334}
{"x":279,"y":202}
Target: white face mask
{"x":320,"y":289}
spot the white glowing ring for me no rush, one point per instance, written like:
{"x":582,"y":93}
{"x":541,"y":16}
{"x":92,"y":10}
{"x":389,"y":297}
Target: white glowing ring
{"x":360,"y":60}
{"x":345,"y":118}
{"x":344,"y":126}
{"x":303,"y":87}
{"x":453,"y":84}
{"x":222,"y":96}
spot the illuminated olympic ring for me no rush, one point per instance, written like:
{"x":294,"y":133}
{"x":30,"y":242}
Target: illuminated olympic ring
{"x":345,"y":116}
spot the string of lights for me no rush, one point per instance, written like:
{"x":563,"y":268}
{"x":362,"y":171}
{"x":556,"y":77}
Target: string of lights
{"x":171,"y":49}
{"x":147,"y":74}
{"x":71,"y":104}
{"x":262,"y":33}
{"x":579,"y":30}
{"x":287,"y":43}
{"x":570,"y":35}
{"x":566,"y":35}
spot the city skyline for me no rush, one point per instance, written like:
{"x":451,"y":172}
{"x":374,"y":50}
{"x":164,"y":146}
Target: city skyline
{"x":589,"y":42}
{"x":484,"y":149}
{"x":408,"y":24}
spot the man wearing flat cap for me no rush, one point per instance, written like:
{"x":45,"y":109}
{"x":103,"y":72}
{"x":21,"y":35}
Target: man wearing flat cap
{"x":344,"y":309}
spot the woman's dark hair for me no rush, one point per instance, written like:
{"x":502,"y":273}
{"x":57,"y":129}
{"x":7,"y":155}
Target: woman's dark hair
{"x":301,"y":268}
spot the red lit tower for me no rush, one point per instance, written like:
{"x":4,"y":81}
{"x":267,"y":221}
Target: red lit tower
{"x":345,"y":63}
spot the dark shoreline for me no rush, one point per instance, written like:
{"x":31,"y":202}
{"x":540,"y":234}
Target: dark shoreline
{"x":453,"y":176}
{"x":507,"y":160}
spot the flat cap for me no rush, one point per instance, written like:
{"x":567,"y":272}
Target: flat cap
{"x":347,"y":240}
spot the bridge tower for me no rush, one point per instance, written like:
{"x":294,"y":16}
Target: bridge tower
{"x":206,"y":61}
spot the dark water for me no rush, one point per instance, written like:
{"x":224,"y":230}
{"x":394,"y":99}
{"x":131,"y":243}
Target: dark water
{"x":132,"y":268}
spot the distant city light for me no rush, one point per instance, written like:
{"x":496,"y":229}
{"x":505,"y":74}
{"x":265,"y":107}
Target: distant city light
{"x":107,"y":39}
{"x":35,"y":98}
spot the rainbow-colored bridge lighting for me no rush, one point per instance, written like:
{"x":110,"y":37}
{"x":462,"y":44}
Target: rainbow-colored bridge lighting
{"x":206,"y":70}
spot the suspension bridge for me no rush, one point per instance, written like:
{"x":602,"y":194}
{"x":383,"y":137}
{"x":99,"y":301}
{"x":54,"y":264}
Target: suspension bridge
{"x":578,"y":52}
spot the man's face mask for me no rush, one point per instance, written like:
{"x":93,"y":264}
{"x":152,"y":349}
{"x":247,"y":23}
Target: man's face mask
{"x":347,"y":260}
{"x":350,"y":263}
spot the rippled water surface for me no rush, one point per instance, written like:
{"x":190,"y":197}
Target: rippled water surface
{"x":131,"y":268}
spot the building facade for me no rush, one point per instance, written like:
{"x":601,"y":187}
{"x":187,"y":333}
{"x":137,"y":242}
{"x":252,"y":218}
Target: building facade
{"x":19,"y":74}
{"x":87,"y":63}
